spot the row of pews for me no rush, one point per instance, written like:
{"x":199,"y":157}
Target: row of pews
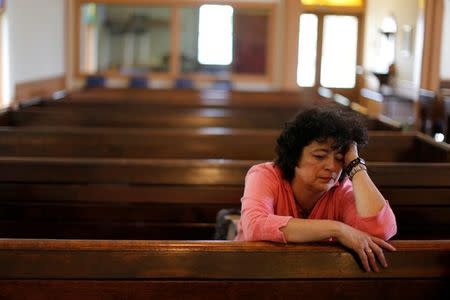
{"x":86,"y":179}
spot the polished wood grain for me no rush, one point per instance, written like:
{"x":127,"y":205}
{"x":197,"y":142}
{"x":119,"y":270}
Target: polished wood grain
{"x":193,"y":172}
{"x":70,"y":269}
{"x":72,"y":259}
{"x":195,"y":143}
{"x":197,"y":97}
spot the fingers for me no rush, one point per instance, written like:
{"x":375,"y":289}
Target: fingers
{"x":371,"y":254}
{"x":364,"y":260}
{"x":378,"y":253}
{"x":371,"y":259}
{"x":383,"y":244}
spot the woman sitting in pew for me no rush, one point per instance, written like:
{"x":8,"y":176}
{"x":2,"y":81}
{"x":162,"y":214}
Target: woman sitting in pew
{"x":318,"y":189}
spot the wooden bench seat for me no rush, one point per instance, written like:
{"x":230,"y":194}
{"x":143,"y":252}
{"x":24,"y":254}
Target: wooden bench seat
{"x":111,"y":198}
{"x":195,"y":143}
{"x":71,"y":269}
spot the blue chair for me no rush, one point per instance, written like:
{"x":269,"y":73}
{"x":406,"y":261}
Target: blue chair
{"x":225,"y":85}
{"x":138,"y":82}
{"x":95,"y":81}
{"x":184,"y":83}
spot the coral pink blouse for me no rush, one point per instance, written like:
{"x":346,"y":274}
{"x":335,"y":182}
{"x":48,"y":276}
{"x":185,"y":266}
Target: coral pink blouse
{"x":268,"y":204}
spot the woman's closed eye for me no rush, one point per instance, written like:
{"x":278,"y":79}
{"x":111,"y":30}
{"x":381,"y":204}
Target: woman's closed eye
{"x":319,"y":157}
{"x":339,"y":158}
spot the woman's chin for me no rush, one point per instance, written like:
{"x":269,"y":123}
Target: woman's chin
{"x":325,"y":186}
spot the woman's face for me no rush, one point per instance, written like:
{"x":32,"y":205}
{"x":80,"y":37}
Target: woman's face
{"x":320,"y":167}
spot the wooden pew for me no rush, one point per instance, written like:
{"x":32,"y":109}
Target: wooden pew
{"x":431,"y":113}
{"x":127,"y":101}
{"x":196,"y":143}
{"x":178,"y":199}
{"x":73,"y":269}
{"x":165,"y":117}
{"x":196,"y":98}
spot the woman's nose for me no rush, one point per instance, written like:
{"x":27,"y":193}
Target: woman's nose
{"x":331,"y":164}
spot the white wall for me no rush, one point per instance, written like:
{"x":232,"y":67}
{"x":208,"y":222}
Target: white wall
{"x":445,"y":46}
{"x":36,"y":40}
{"x":406,"y":13}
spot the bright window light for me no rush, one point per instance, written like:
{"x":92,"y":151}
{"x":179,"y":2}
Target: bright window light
{"x":215,"y":41}
{"x":439,"y":137}
{"x":339,"y":49}
{"x":307,"y":49}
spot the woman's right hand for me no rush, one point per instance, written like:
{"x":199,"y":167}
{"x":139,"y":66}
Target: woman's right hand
{"x":368,"y":248}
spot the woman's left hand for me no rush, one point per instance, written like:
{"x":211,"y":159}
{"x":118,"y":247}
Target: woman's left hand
{"x":368,"y":248}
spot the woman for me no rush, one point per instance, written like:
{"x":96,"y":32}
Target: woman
{"x":318,"y":189}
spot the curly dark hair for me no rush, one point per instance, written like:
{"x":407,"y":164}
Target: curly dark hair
{"x":318,"y":124}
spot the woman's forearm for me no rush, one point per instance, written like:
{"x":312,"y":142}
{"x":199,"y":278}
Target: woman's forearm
{"x":368,"y":198}
{"x":301,"y":230}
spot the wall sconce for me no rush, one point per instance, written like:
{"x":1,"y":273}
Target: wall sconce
{"x":388,"y":26}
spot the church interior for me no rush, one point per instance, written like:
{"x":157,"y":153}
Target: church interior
{"x":128,"y":129}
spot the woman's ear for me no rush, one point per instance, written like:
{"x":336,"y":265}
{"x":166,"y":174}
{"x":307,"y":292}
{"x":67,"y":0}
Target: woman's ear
{"x":297,"y":169}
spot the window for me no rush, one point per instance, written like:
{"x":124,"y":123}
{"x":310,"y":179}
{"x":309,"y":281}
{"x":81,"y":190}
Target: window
{"x":202,"y":42}
{"x":215,"y":41}
{"x":307,"y":45}
{"x":334,"y":64}
{"x":338,"y":68}
{"x":124,"y":39}
{"x":219,"y":40}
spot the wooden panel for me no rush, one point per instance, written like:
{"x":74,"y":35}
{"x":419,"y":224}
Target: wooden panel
{"x":120,"y":195}
{"x":106,"y":230}
{"x":179,"y":118}
{"x":91,"y":194}
{"x":194,"y":143}
{"x":198,"y":97}
{"x":73,"y":259}
{"x":158,"y":212}
{"x":38,"y":88}
{"x":123,"y":171}
{"x":192,"y":172}
{"x":169,"y":221}
{"x":43,"y":269}
{"x":244,"y":289}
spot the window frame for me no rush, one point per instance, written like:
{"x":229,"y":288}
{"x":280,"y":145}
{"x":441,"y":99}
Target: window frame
{"x":348,"y":92}
{"x":175,"y":39}
{"x":291,"y":17}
